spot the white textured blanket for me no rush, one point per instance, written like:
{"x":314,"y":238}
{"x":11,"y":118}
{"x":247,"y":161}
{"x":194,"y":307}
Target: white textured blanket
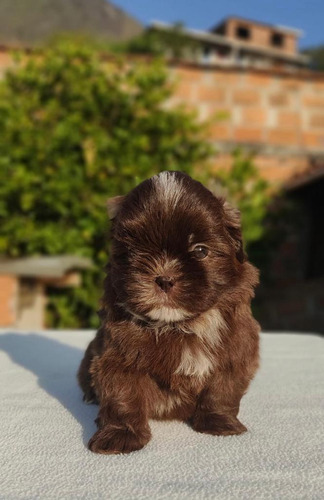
{"x":44,"y":427}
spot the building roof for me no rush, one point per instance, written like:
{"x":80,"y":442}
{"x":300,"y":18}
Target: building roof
{"x":212,"y":38}
{"x":44,"y":267}
{"x":276,"y":27}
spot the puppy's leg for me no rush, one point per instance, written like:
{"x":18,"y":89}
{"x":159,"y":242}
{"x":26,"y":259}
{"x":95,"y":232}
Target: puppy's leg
{"x":84,"y":376}
{"x":217,"y":409}
{"x":122,"y":420}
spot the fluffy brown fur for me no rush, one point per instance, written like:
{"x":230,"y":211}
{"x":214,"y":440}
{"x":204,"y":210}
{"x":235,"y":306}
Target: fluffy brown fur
{"x":177,"y":337}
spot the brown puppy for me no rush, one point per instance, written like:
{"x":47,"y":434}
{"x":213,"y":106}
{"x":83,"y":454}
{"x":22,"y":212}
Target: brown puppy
{"x":177,"y":337}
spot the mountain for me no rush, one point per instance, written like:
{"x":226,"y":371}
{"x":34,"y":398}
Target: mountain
{"x":32,"y":22}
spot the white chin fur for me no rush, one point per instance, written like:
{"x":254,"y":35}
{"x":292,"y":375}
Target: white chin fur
{"x":167,"y":314}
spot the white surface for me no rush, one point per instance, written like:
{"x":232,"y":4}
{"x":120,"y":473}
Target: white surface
{"x":44,"y":427}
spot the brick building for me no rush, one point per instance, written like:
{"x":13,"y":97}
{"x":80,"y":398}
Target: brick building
{"x":242,"y":42}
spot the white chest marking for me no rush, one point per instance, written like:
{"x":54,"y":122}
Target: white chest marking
{"x":194,"y":364}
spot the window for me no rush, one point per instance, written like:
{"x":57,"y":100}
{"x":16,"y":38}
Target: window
{"x":206,"y":54}
{"x":243,"y":33}
{"x":277,"y":40}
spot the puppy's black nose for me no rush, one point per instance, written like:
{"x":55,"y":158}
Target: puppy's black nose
{"x":165,"y":282}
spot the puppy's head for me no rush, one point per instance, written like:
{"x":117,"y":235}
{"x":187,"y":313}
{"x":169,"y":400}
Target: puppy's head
{"x":175,"y":248}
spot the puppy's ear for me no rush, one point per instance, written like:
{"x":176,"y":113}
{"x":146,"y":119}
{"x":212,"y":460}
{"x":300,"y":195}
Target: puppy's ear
{"x":114,"y":205}
{"x":233,"y":226}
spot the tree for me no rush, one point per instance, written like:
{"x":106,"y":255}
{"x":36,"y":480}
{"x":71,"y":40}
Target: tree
{"x":316,"y":55}
{"x":171,"y":43}
{"x":245,"y":188}
{"x":75,"y":130}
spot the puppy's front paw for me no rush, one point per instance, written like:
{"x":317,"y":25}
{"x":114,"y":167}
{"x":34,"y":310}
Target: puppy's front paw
{"x":90,"y":398}
{"x":217,"y":425}
{"x":111,"y":441}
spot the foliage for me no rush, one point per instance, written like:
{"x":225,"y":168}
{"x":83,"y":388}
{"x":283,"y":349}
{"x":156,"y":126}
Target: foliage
{"x":170,"y":42}
{"x":316,"y":55}
{"x":76,"y":129}
{"x":249,"y":192}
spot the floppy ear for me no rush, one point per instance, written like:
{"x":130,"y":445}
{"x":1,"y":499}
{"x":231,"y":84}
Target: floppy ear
{"x":233,"y":226}
{"x":114,"y":205}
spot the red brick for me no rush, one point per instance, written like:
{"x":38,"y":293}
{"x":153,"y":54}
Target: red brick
{"x":189,"y":74}
{"x":5,"y":59}
{"x":246,"y":97}
{"x":312,"y":100}
{"x":313,"y":139}
{"x":8,"y":286}
{"x":258,"y":79}
{"x":254,"y":116}
{"x":289,"y":119}
{"x":225,"y":77}
{"x":243,"y":134}
{"x":283,"y":137}
{"x":317,"y":121}
{"x":184,"y":90}
{"x":220,"y":131}
{"x":211,"y":94}
{"x":274,"y":168}
{"x":279,"y":99}
{"x":318,"y":85}
{"x":291,"y":83}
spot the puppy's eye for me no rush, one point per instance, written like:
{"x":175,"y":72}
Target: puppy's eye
{"x":200,"y":252}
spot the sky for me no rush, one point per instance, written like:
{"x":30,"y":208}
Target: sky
{"x":307,"y":15}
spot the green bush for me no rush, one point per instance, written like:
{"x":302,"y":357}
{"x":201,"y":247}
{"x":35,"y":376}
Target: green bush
{"x":76,"y":129}
{"x":246,"y":189}
{"x":172,"y":43}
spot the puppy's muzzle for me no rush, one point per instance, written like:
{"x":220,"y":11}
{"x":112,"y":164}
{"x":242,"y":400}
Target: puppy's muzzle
{"x":165,"y":283}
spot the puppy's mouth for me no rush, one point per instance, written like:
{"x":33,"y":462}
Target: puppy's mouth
{"x":159,"y":315}
{"x":166,"y":310}
{"x":168,"y":314}
{"x":158,"y":300}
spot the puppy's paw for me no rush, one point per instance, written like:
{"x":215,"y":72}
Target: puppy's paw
{"x":90,"y":398}
{"x":111,"y":441}
{"x":217,"y":425}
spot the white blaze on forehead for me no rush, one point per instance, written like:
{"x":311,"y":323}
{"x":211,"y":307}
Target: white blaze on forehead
{"x":167,"y":314}
{"x":208,"y":327}
{"x":168,"y":187}
{"x":191,"y":238}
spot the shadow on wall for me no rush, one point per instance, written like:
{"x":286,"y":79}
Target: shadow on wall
{"x":55,"y":365}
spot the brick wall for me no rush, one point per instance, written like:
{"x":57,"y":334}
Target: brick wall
{"x":5,"y":61}
{"x":279,"y":116}
{"x":8,"y":300}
